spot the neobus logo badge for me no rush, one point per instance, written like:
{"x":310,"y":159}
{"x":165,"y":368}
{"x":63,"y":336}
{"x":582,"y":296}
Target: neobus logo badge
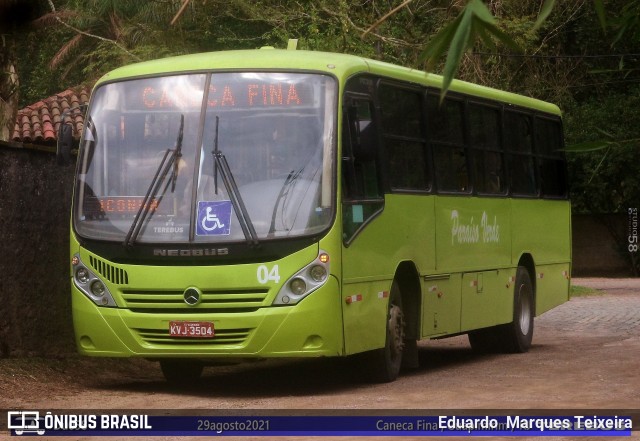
{"x":198,"y":252}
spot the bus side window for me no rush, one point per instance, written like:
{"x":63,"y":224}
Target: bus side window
{"x":486,"y":154}
{"x":362,"y":195}
{"x":403,"y":137}
{"x":445,"y":126}
{"x":552,"y":169}
{"x":360,"y":152}
{"x":518,"y":142}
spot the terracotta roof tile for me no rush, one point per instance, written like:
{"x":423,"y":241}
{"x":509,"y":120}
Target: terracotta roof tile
{"x":39,"y":122}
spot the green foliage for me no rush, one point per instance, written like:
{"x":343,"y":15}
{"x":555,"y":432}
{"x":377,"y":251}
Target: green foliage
{"x":605,"y":179}
{"x":583,"y":291}
{"x":86,"y":38}
{"x":475,"y":22}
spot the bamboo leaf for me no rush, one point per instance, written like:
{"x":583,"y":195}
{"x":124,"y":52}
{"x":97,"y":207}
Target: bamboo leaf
{"x":588,"y":146}
{"x":547,"y":6}
{"x":504,"y":38}
{"x":459,"y":45}
{"x":481,"y":11}
{"x":599,"y":7}
{"x":437,"y":46}
{"x":607,"y":134}
{"x":481,"y":31}
{"x":595,"y":170}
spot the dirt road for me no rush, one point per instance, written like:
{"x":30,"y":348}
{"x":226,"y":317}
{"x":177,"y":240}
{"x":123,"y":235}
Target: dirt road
{"x":585,"y":355}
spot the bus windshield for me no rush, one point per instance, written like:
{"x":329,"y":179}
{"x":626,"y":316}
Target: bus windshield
{"x":222,"y":157}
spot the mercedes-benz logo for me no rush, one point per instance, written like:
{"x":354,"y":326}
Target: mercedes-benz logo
{"x":192,"y":296}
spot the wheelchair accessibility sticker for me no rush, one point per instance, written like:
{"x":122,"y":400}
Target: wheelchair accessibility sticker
{"x":214,"y":218}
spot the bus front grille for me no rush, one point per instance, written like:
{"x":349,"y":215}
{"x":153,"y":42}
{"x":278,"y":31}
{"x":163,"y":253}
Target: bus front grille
{"x":113,"y":274}
{"x":235,"y":337}
{"x":172,"y":301}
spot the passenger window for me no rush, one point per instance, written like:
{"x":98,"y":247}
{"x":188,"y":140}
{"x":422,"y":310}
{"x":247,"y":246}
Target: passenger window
{"x":446,"y":134}
{"x":484,"y":132}
{"x":518,"y":142}
{"x":548,"y":142}
{"x":404,"y":140}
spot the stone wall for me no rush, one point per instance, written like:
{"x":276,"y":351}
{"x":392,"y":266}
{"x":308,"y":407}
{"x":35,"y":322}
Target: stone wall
{"x":35,"y":197}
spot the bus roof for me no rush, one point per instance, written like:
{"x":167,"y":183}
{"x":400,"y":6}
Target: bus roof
{"x":341,"y":65}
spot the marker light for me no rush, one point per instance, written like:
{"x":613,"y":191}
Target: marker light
{"x":323,"y":258}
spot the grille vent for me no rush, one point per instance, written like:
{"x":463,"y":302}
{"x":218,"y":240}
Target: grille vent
{"x":109,"y":272}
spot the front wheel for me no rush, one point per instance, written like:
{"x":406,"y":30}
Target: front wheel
{"x":383,"y":365}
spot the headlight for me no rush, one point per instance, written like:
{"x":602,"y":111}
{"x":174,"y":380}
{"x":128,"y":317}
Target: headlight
{"x":318,"y":273}
{"x":82,"y":275}
{"x":297,"y":286}
{"x":305,"y":281}
{"x":90,"y":284}
{"x":97,"y":288}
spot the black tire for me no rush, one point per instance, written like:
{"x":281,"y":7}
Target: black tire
{"x":383,"y":365}
{"x":181,"y":372}
{"x":514,"y":337}
{"x":519,"y":333}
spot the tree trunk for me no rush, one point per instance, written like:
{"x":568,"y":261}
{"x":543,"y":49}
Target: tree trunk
{"x":8,"y":87}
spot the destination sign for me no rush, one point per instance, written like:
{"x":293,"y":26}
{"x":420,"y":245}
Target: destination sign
{"x":233,"y":94}
{"x":129,"y":205}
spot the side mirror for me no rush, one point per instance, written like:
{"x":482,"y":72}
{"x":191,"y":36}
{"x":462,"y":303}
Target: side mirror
{"x":65,"y":142}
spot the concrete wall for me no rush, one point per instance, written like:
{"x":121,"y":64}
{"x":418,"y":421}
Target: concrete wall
{"x":35,"y":309}
{"x":596,"y":252}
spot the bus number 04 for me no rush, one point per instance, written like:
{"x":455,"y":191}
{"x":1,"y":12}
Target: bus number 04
{"x":266,"y":275}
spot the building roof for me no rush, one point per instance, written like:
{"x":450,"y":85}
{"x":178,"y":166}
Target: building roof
{"x":39,"y":122}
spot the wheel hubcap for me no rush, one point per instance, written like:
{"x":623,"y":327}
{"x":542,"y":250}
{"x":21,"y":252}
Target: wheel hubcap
{"x":525,"y":310}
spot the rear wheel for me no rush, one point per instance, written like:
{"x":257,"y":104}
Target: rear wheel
{"x":383,"y":365}
{"x":520,"y":332}
{"x":181,"y":372}
{"x":512,"y":337}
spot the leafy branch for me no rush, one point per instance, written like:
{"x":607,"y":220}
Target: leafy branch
{"x":87,"y":34}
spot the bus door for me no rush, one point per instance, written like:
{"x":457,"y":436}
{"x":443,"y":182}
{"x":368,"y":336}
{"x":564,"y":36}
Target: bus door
{"x":364,"y":281}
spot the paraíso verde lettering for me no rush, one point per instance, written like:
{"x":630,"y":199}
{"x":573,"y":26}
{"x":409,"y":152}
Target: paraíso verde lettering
{"x":471,"y":232}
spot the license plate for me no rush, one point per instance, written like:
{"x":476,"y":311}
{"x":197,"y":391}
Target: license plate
{"x":191,"y":329}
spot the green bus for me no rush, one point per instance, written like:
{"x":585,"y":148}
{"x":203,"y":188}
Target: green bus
{"x":281,"y":203}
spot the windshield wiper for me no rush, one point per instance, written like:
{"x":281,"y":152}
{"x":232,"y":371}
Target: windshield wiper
{"x":220,"y":162}
{"x":170,"y":158}
{"x":284,"y":191}
{"x":177,"y":155}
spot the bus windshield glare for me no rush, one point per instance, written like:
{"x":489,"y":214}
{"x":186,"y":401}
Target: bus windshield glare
{"x":208,"y":158}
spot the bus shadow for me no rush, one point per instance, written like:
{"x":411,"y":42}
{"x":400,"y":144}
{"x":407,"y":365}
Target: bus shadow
{"x":282,"y":378}
{"x":260,"y":379}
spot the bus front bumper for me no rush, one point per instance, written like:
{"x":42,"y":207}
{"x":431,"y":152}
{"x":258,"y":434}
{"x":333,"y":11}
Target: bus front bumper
{"x":312,"y":328}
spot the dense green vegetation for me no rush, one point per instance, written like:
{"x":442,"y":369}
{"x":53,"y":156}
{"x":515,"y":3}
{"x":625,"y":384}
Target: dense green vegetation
{"x":583,"y":55}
